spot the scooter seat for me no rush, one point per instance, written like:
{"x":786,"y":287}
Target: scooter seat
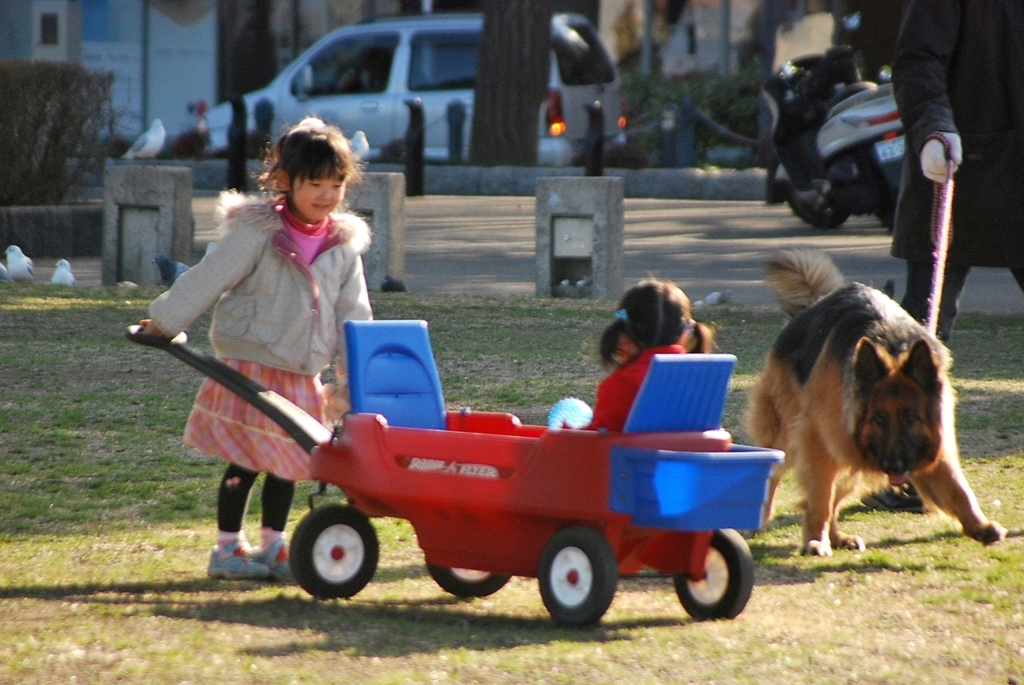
{"x":849,"y":90}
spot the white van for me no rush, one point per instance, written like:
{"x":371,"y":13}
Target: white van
{"x":359,"y":77}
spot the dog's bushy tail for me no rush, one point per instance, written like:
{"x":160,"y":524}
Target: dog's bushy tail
{"x":801,"y":277}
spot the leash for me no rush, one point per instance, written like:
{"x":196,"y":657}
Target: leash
{"x":942,"y":214}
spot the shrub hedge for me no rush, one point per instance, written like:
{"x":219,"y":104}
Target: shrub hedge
{"x":54,"y":118}
{"x":731,"y":101}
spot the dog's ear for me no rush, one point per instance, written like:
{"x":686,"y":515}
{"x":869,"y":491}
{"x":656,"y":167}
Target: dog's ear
{"x":922,"y":366}
{"x":868,"y":366}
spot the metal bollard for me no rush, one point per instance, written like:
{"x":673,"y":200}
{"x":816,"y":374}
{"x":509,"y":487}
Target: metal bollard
{"x":594,"y":140}
{"x":687,"y":131}
{"x":263,"y":113}
{"x":237,"y":144}
{"x":456,"y":119}
{"x":677,"y":133}
{"x":414,"y":142}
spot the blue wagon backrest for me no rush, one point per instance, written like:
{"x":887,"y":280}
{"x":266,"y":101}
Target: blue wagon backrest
{"x":682,"y":392}
{"x":391,"y":371}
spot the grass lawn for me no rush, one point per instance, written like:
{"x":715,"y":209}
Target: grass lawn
{"x":106,"y":522}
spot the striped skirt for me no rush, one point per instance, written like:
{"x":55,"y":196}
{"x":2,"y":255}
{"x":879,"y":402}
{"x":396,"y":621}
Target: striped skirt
{"x":223,"y":424}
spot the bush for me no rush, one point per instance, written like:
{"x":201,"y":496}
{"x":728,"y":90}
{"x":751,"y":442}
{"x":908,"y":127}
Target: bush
{"x":731,"y":101}
{"x":55,"y":118}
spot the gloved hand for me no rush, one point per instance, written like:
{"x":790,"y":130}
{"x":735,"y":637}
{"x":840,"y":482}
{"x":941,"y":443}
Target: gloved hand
{"x":933,"y":157}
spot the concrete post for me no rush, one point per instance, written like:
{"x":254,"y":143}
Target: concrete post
{"x":579,"y":236}
{"x":147,"y":209}
{"x":380,"y":199}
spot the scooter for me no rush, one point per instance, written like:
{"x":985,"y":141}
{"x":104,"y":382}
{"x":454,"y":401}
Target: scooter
{"x":838,"y":141}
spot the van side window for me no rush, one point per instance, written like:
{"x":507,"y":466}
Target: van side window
{"x":582,"y":61}
{"x":443,"y":61}
{"x":351,"y":65}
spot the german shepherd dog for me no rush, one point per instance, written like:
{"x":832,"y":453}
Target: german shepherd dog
{"x":856,"y":393}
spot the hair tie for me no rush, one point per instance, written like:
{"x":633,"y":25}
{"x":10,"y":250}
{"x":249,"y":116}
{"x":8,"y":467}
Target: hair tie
{"x":690,"y":327}
{"x":622,"y":315}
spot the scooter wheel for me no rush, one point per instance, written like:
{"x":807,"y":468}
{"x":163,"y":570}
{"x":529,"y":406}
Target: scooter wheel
{"x":824,"y":216}
{"x":334,"y":552}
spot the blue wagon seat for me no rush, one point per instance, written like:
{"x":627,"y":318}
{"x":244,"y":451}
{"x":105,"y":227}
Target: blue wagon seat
{"x":682,"y":392}
{"x":391,"y":371}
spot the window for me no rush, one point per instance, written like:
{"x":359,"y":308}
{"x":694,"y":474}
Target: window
{"x":360,"y":64}
{"x":48,"y":23}
{"x":443,"y":61}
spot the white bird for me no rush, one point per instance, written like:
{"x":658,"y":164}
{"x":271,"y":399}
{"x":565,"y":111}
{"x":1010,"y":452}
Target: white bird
{"x":18,"y":265}
{"x":63,"y":275}
{"x":360,"y":145}
{"x":715,"y":298}
{"x":4,"y":276}
{"x":149,"y":143}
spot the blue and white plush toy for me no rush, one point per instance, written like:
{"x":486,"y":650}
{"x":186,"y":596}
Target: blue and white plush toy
{"x":570,"y":412}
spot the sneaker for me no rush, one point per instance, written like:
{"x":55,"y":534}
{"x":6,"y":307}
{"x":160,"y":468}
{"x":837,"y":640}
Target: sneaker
{"x":901,"y":499}
{"x":236,"y":563}
{"x":275,"y":558}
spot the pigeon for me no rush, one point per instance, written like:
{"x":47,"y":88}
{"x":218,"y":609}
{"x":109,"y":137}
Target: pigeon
{"x":169,"y":271}
{"x":149,"y":143}
{"x":390,"y":284}
{"x":4,"y":276}
{"x":360,"y":145}
{"x":18,"y":265}
{"x":714,"y":298}
{"x":63,"y":275}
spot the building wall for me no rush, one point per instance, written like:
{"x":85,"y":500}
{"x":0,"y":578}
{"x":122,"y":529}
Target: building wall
{"x":179,"y":38}
{"x":15,"y":29}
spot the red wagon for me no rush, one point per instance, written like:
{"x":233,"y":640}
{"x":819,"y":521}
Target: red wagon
{"x":490,"y":498}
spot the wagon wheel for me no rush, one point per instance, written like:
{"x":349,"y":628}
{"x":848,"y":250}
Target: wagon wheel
{"x":578,"y":574}
{"x":465,"y":583}
{"x":334,"y":552}
{"x":728,"y":579}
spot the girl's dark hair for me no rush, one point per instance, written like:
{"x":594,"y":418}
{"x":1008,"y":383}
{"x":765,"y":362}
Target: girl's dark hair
{"x":311,"y":149}
{"x":653,"y":313}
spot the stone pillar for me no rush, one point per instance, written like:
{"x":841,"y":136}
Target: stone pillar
{"x":579,"y":236}
{"x":147,"y":209}
{"x":380,"y":199}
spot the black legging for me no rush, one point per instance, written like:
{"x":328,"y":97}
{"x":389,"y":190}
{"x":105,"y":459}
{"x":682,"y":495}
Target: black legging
{"x":233,"y":499}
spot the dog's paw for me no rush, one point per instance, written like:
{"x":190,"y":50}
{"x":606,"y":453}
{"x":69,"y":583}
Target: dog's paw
{"x":989,"y":534}
{"x":818,"y":548}
{"x":852,"y":542}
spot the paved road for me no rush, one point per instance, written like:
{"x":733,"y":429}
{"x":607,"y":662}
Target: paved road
{"x":460,"y":244}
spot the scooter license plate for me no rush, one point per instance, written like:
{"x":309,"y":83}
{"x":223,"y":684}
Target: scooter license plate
{"x":889,"y":149}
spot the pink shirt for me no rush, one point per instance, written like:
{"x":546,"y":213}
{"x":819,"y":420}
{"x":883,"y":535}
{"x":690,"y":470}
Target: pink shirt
{"x":309,"y":238}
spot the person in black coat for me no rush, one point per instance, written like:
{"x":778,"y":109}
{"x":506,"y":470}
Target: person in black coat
{"x":958,"y":71}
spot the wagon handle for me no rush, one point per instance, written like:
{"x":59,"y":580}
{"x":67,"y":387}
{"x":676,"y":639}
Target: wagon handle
{"x":303,"y":428}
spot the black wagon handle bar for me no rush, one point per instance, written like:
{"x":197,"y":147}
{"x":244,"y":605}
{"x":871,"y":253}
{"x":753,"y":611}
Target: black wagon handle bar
{"x":303,"y":428}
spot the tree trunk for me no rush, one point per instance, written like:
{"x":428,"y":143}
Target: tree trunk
{"x":511,"y":82}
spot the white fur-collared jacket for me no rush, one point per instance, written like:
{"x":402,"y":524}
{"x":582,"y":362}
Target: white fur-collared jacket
{"x":272,"y":308}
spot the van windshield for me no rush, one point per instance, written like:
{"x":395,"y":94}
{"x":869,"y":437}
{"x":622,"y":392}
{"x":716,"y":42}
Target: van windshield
{"x":352,"y":64}
{"x":443,"y":61}
{"x":582,"y":60}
